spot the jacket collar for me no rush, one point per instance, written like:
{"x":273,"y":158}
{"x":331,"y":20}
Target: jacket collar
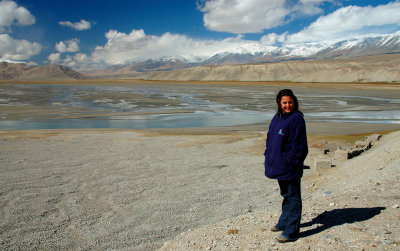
{"x":284,"y":115}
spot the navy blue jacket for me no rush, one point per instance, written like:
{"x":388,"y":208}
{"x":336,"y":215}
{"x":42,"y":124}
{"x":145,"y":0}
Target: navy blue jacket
{"x":286,"y":146}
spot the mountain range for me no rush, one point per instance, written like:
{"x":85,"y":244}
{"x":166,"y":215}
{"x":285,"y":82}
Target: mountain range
{"x":354,"y":48}
{"x":377,"y":68}
{"x":20,"y":71}
{"x":364,"y":59}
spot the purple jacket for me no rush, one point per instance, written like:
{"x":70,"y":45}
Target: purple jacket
{"x":286,"y":147}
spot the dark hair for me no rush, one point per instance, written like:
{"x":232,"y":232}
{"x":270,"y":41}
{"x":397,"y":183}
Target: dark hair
{"x":289,"y":93}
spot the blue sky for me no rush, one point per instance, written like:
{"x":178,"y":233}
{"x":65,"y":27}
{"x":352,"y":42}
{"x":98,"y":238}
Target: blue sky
{"x":95,"y":34}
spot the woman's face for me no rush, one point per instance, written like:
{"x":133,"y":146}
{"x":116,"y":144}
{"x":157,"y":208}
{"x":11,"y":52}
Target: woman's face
{"x":287,"y":104}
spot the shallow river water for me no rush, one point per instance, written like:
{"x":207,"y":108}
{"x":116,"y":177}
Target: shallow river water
{"x":140,"y":106}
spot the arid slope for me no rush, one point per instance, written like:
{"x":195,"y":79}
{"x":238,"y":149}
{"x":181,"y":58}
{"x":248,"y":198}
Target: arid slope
{"x":11,"y":71}
{"x":382,"y":68}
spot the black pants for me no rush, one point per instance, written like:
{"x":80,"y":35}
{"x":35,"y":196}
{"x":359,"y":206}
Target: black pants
{"x":290,"y":217}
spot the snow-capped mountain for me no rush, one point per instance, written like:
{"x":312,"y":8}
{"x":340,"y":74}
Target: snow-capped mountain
{"x":253,"y":53}
{"x":348,"y":48}
{"x":380,"y":53}
{"x":362,"y":47}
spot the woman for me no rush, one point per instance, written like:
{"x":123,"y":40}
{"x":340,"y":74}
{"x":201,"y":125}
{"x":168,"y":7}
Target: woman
{"x":286,"y":150}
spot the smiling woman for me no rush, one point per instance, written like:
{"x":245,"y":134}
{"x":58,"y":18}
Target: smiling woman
{"x":285,"y":152}
{"x":287,"y":104}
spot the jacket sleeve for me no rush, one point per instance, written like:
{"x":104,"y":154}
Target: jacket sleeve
{"x":268,"y":136}
{"x":298,"y":149}
{"x":269,"y":132}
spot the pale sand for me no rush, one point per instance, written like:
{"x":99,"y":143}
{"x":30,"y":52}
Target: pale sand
{"x":135,"y":190}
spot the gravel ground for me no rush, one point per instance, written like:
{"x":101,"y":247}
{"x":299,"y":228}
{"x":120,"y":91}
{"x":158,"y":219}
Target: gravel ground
{"x":143,"y":190}
{"x":353,"y":206}
{"x":122,"y":190}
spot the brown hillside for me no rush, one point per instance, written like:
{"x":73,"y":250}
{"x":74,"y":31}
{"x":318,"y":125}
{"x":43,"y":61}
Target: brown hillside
{"x":10,"y":71}
{"x":381,"y":68}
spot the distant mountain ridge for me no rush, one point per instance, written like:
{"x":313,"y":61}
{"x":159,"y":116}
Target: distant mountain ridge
{"x":139,"y":70}
{"x":371,"y":59}
{"x":379,"y":68}
{"x":13,"y":71}
{"x":347,"y":48}
{"x":389,"y":44}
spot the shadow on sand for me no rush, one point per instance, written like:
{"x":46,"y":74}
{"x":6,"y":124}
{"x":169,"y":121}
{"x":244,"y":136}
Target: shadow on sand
{"x":338,"y":217}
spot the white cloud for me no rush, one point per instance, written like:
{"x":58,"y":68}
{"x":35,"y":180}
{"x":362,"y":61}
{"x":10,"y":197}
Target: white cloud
{"x":350,"y":21}
{"x":10,"y":48}
{"x":244,"y":16}
{"x":273,"y":38}
{"x":136,"y":46}
{"x":13,"y":49}
{"x":306,"y":8}
{"x":68,"y":61}
{"x":81,"y":57}
{"x":254,"y":16}
{"x":54,"y":58}
{"x":315,"y":1}
{"x":10,"y":14}
{"x":78,"y":61}
{"x":68,"y":46}
{"x":80,"y":26}
{"x":122,"y":48}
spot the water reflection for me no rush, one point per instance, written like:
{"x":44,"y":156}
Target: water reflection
{"x":392,"y":117}
{"x":160,"y":106}
{"x":196,"y":119}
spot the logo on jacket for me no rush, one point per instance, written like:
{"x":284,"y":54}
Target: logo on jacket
{"x":280,"y":132}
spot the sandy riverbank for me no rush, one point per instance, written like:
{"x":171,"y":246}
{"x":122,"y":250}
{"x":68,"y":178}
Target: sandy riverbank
{"x":135,"y":190}
{"x":126,"y":189}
